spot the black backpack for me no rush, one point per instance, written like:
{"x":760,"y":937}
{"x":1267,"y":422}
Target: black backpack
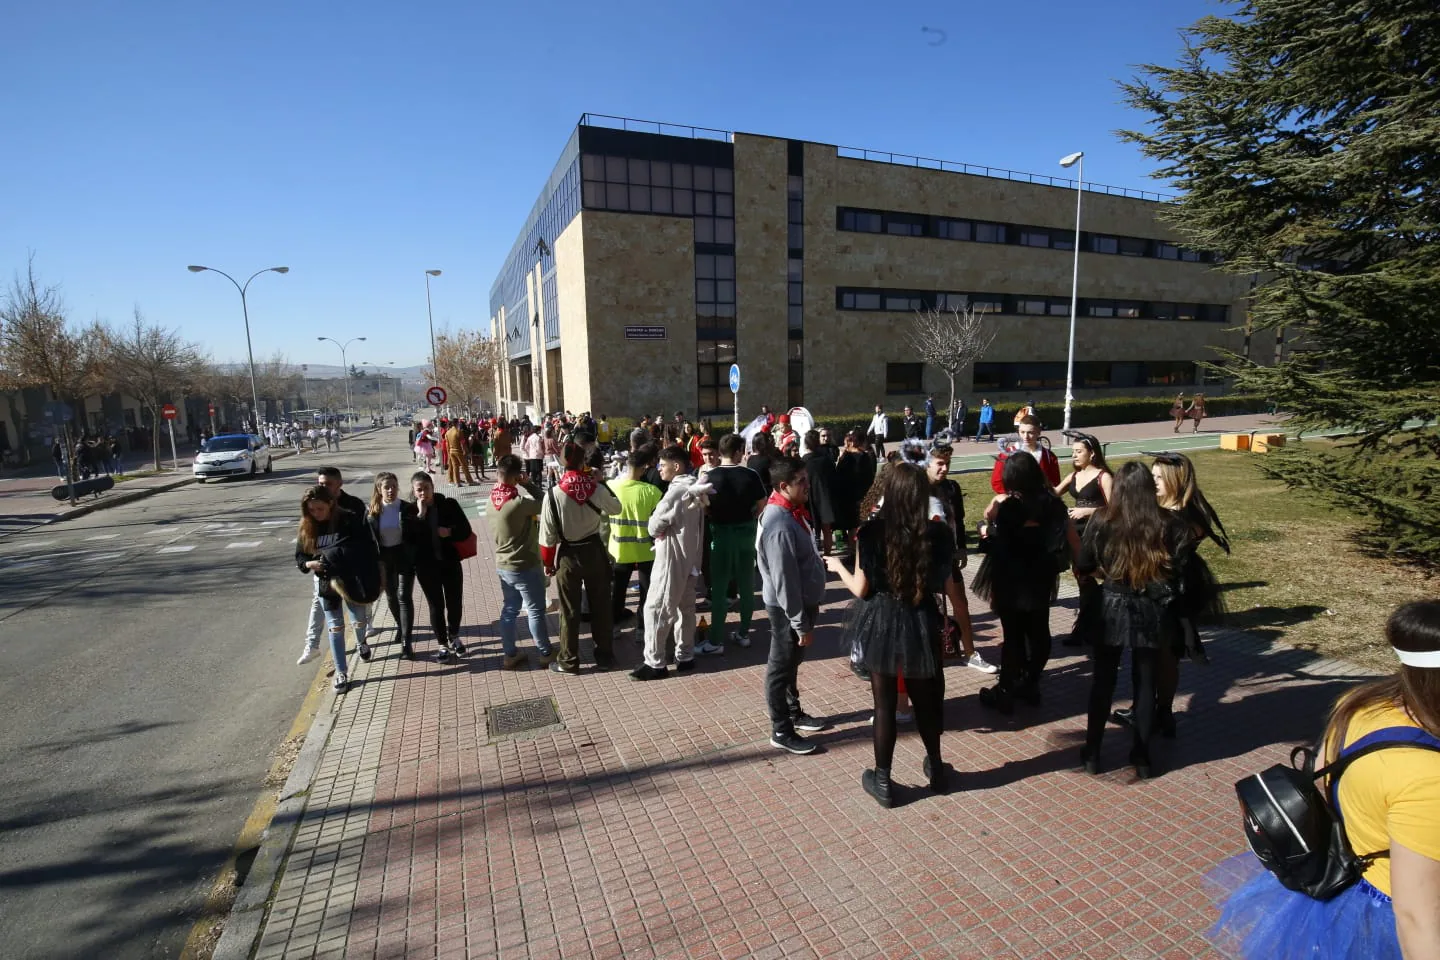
{"x":1295,"y":828}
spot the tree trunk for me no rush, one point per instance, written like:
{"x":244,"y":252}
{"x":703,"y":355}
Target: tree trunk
{"x":950,"y":413}
{"x":69,"y":461}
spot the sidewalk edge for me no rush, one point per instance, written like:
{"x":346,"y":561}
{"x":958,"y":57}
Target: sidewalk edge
{"x":246,"y":919}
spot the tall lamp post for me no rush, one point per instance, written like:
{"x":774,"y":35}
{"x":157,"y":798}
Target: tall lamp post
{"x":430,"y":314}
{"x":345,"y":368}
{"x":1069,"y":161}
{"x":245,"y":309}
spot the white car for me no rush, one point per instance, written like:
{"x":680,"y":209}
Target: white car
{"x":232,"y":454}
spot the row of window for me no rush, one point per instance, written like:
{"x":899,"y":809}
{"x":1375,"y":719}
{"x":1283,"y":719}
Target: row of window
{"x":900,"y":224}
{"x":907,"y":379}
{"x":659,"y":173}
{"x":909,"y":301}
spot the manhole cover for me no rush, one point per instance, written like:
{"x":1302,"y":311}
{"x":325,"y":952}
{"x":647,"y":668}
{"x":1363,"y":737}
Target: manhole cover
{"x":522,"y":716}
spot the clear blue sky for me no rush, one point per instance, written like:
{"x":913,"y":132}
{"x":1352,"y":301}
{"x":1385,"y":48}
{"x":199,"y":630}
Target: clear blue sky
{"x":361,"y":143}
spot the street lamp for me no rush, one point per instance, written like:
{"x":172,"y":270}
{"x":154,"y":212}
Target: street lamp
{"x":344,"y":368}
{"x":393,"y":381}
{"x":1074,"y":158}
{"x":431,"y":315}
{"x":245,"y":309}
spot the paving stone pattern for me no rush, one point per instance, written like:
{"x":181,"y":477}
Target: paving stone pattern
{"x":660,"y":823}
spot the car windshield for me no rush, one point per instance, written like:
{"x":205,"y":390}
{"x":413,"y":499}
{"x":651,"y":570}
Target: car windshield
{"x":223,"y":444}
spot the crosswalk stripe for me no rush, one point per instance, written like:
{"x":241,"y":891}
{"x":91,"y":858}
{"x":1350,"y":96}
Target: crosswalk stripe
{"x":243,"y":543}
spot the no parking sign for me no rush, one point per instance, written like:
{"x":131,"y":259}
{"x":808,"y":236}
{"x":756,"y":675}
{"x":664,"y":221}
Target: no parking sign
{"x":435,"y":396}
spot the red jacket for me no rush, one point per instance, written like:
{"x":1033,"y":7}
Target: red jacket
{"x":1049,"y":465}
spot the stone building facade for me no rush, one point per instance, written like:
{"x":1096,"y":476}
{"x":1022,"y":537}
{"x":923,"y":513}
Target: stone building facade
{"x":656,"y":257}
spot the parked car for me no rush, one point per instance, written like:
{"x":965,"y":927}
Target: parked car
{"x":232,"y":454}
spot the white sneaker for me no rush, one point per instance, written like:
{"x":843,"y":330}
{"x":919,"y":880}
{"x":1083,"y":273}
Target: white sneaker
{"x":741,"y":640}
{"x":311,"y":651}
{"x":709,"y":649}
{"x":977,"y":662}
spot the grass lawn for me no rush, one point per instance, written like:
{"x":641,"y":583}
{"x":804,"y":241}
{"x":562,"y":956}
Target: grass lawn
{"x":1293,"y":573}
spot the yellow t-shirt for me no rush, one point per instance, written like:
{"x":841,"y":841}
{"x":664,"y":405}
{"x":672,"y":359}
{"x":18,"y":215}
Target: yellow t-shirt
{"x":1391,"y":796}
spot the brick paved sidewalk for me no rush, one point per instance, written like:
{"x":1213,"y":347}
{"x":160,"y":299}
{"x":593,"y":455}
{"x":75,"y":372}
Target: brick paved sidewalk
{"x":658,"y":822}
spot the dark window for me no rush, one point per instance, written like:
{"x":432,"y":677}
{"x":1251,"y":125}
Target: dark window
{"x":1059,"y":308}
{"x":1214,"y":312}
{"x":951,"y":301}
{"x":1132,"y":247}
{"x":795,"y":269}
{"x":1062,"y":240}
{"x":1093,"y":374}
{"x":1167,"y":251}
{"x":904,"y":378}
{"x":1034,"y":237}
{"x":705,"y":204}
{"x":1099,"y":243}
{"x":680,"y":175}
{"x":1127,"y":308}
{"x":797,"y":294}
{"x":1033,"y":307}
{"x":987,"y":376}
{"x":704,"y":177}
{"x":659,"y":173}
{"x":1100,"y":308}
{"x":724,"y":180}
{"x":1190,"y":256}
{"x":1187,"y":311}
{"x":953,"y":229}
{"x":684,"y":202}
{"x":795,"y":318}
{"x":905,"y":225}
{"x":617,"y":170}
{"x":795,"y":187}
{"x":725,"y":230}
{"x":724,"y":205}
{"x":990,"y":232}
{"x":989,"y":302}
{"x":1162,"y":311}
{"x":1173,"y":372}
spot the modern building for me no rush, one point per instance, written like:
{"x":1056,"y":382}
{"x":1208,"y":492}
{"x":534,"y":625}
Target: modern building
{"x":658,"y":255}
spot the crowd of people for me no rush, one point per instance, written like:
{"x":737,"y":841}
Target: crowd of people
{"x":701,"y":521}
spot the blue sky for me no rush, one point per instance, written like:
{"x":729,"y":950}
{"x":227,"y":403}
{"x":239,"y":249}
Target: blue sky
{"x":362,"y":143}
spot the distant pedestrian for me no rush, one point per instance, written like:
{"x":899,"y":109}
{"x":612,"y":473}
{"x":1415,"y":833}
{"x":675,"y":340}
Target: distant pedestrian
{"x":793,"y":586}
{"x":57,"y":454}
{"x":929,"y":416}
{"x":987,"y":420}
{"x":879,"y":432}
{"x":114,"y":450}
{"x":314,"y":437}
{"x":911,"y":425}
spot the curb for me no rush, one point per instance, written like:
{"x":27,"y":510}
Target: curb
{"x":246,"y":919}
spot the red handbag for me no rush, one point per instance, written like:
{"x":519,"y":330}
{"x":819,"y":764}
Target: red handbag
{"x":468,"y":547}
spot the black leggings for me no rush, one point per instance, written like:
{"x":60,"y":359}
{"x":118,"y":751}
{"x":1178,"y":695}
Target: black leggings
{"x":1102,"y":693}
{"x":400,"y":595}
{"x":1025,"y":649}
{"x":443,"y":586}
{"x":927,"y":699}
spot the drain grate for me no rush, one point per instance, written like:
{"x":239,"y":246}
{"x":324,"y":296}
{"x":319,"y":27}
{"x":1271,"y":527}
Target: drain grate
{"x":522,"y":716}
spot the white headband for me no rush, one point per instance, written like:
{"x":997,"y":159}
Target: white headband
{"x":1419,"y":658}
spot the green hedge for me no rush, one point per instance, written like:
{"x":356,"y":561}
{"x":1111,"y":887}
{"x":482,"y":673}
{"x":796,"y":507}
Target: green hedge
{"x":1084,"y":413}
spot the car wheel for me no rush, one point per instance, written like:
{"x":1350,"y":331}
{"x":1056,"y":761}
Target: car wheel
{"x":199,"y":479}
{"x":253,"y":471}
{"x":270,"y":465}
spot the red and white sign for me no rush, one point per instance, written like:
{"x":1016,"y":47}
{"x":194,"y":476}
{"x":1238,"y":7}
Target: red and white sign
{"x":435,"y":396}
{"x":212,"y":409}
{"x":169,"y":412}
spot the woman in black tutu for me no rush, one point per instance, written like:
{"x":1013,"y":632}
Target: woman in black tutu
{"x":1135,"y":546}
{"x":1027,"y":539}
{"x":820,"y":468}
{"x":854,"y":474}
{"x":903,"y":559}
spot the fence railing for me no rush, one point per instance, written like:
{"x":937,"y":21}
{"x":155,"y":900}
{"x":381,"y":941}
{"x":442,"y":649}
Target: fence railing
{"x":980,"y":170}
{"x":655,"y":126}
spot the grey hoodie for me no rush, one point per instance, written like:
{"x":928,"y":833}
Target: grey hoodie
{"x":792,"y":575}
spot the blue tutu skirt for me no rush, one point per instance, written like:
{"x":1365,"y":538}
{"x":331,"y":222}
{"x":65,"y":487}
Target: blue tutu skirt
{"x":1262,"y":920}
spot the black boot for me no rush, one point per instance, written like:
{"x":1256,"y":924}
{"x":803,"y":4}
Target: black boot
{"x":937,"y":771}
{"x":1090,"y":759}
{"x":1140,"y":760}
{"x":877,"y":783}
{"x":997,"y":698}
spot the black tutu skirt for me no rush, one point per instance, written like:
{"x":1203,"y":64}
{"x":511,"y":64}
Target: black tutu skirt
{"x":1139,"y":618}
{"x":894,"y":638}
{"x":1200,"y":598}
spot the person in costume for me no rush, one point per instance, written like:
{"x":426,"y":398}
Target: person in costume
{"x":677,"y":526}
{"x":1027,"y":539}
{"x":1090,"y":482}
{"x":903,"y":559}
{"x":854,"y":473}
{"x":1389,"y":804}
{"x":1135,"y":545}
{"x":571,"y":516}
{"x":821,"y":471}
{"x":1029,"y":430}
{"x":514,"y":522}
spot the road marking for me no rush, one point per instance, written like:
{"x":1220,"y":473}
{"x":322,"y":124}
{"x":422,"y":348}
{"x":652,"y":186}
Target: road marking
{"x":184,"y":549}
{"x":242,"y":543}
{"x":103,"y":536}
{"x":103,"y":556}
{"x":274,"y":523}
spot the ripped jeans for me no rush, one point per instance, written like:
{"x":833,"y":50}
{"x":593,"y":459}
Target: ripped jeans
{"x":334,"y":607}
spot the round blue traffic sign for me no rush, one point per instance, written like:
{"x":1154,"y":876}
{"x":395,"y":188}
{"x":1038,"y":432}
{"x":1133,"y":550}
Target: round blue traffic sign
{"x":734,"y":378}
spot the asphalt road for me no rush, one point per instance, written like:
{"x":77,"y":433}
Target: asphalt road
{"x":147,"y":672}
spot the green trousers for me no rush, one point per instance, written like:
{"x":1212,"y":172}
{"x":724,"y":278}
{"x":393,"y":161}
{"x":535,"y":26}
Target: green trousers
{"x":732,"y":557}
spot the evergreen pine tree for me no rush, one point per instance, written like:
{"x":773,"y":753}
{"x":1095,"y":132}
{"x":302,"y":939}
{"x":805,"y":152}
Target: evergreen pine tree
{"x":1304,"y":138}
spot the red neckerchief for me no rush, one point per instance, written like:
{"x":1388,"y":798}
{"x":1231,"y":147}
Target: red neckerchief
{"x":578,"y":486}
{"x":800,"y":513}
{"x":501,"y":494}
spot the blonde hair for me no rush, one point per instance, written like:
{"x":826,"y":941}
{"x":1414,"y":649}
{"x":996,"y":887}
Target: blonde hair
{"x":1179,"y":484}
{"x":377,"y":498}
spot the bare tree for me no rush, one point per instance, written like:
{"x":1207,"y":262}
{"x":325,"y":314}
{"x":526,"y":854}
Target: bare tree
{"x":466,"y":366}
{"x":154,"y":365}
{"x":38,"y":348}
{"x":949,"y":339}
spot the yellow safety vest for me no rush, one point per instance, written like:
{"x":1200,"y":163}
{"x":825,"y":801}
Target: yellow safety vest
{"x":629,"y":534}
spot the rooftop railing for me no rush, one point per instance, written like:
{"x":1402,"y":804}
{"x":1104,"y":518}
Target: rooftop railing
{"x":875,"y":156}
{"x":655,"y":126}
{"x":953,"y":166}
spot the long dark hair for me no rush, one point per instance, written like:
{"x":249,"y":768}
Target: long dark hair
{"x":1414,"y":627}
{"x":310,"y":529}
{"x":1025,"y":482}
{"x":906,"y":517}
{"x":1133,"y":525}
